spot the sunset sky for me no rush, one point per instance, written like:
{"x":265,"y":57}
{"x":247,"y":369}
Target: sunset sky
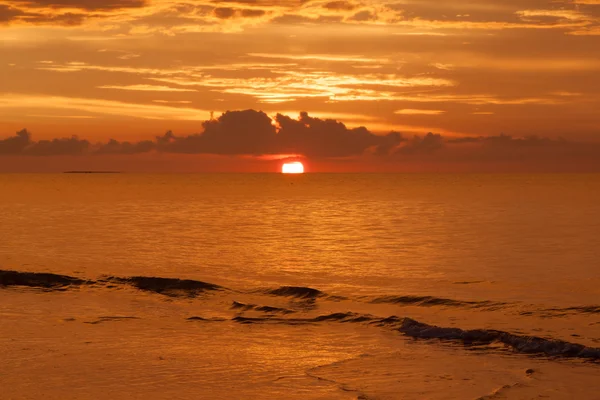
{"x":464,"y":70}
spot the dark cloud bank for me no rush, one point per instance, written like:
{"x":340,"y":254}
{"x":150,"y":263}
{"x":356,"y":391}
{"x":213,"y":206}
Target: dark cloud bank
{"x":35,"y":12}
{"x":84,"y":4}
{"x":254,"y":133}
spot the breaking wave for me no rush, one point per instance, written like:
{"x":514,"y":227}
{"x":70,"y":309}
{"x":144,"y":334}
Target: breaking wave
{"x":297,"y":292}
{"x":577,"y":310}
{"x":166,"y":286}
{"x":174,"y":287}
{"x":39,"y":280}
{"x":430,"y":301}
{"x":266,"y":309}
{"x":202,"y":319}
{"x":335,"y":317}
{"x":300,"y":296}
{"x":524,"y":344}
{"x":519,"y":343}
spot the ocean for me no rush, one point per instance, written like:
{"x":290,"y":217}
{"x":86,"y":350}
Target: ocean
{"x":314,"y":286}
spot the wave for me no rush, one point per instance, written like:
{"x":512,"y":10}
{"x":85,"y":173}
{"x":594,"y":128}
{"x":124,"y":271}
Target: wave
{"x":202,"y":319}
{"x":520,"y":343}
{"x":166,"y":286}
{"x":109,"y":319}
{"x":562,"y":312}
{"x":347,"y":317}
{"x":300,"y":292}
{"x":39,"y":280}
{"x":175,"y":287}
{"x":577,"y":310}
{"x":531,"y":345}
{"x":266,"y":309}
{"x":275,"y":315}
{"x":431,"y":301}
{"x":241,"y":306}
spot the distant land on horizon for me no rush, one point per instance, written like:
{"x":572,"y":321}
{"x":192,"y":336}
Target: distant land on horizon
{"x":92,"y":172}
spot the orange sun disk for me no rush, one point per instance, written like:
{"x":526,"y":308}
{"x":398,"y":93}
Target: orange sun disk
{"x":292,"y":168}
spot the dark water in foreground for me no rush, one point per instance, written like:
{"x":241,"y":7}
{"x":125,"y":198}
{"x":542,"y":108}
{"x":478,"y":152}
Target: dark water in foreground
{"x":314,"y":286}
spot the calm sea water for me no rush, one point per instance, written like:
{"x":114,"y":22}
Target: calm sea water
{"x":512,"y":253}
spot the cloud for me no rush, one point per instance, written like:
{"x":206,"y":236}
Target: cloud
{"x":411,"y":111}
{"x":174,"y":17}
{"x":83,"y":4}
{"x":247,"y":132}
{"x":504,"y":152}
{"x":371,"y":57}
{"x":146,"y":88}
{"x":252,"y":13}
{"x":10,"y":14}
{"x":340,"y":5}
{"x":427,"y":144}
{"x":292,"y":85}
{"x":558,"y":14}
{"x":233,"y":133}
{"x":229,"y":12}
{"x":62,"y":12}
{"x":21,"y":144}
{"x":9,"y":101}
{"x":115,"y":147}
{"x":275,"y":82}
{"x":60,"y":146}
{"x":253,"y":133}
{"x":224,"y":12}
{"x":314,"y":137}
{"x":322,"y":57}
{"x":16,"y":144}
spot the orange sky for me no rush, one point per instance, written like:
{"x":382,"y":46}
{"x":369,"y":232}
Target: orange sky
{"x":132,"y":69}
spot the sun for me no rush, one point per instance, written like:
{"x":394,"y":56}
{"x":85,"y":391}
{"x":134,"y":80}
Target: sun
{"x":292,"y":168}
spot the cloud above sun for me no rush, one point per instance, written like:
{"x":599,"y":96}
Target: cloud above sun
{"x":254,"y":135}
{"x":124,"y":69}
